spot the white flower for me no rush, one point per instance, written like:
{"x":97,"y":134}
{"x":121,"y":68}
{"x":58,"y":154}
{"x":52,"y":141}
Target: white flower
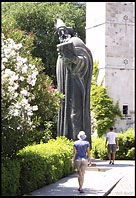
{"x":19,"y":60}
{"x":21,"y":78}
{"x":34,"y":74}
{"x":10,"y":89}
{"x":16,"y":112}
{"x":9,"y":40}
{"x":15,"y":95}
{"x":31,"y":66}
{"x":2,"y":66}
{"x":35,"y":108}
{"x":24,"y":69}
{"x":4,"y":60}
{"x":18,"y":46}
{"x":17,"y":105}
{"x":12,"y":53}
{"x":30,"y":123}
{"x":2,"y":36}
{"x":19,"y":64}
{"x":8,"y":72}
{"x":13,"y":78}
{"x":24,"y":60}
{"x":30,"y":113}
{"x":31,"y":81}
{"x":32,"y":97}
{"x":24,"y":92}
{"x":15,"y":86}
{"x":25,"y":101}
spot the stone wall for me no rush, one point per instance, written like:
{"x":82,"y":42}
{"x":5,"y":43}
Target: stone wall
{"x":110,"y":37}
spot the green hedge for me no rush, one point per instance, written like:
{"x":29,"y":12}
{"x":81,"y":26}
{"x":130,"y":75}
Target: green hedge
{"x":98,"y":148}
{"x":126,"y":146}
{"x":10,"y":174}
{"x":126,"y":143}
{"x":43,"y":164}
{"x":37,"y":166}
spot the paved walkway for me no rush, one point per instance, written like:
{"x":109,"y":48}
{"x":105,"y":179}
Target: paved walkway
{"x":126,"y":186}
{"x":102,"y":180}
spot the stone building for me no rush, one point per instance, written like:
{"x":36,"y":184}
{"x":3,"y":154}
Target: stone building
{"x":110,"y":37}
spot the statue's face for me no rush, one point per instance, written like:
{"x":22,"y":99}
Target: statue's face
{"x":63,"y":34}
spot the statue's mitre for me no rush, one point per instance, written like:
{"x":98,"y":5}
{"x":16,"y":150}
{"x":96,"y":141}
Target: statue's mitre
{"x":60,"y":23}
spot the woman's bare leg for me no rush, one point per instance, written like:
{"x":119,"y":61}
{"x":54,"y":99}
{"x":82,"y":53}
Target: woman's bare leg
{"x":81,"y":178}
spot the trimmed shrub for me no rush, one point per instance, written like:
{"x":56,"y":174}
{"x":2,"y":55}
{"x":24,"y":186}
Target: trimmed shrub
{"x":10,"y":172}
{"x":126,"y":146}
{"x":126,"y":142}
{"x":45,"y":163}
{"x":98,"y":148}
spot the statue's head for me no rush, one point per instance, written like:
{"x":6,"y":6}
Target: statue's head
{"x":64,"y":32}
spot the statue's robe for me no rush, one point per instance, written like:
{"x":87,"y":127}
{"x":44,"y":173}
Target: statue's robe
{"x":74,"y":81}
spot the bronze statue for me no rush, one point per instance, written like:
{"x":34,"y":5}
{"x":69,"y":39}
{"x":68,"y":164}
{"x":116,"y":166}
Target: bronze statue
{"x":74,"y":71}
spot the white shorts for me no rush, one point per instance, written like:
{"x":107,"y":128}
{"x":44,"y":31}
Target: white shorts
{"x":81,"y":164}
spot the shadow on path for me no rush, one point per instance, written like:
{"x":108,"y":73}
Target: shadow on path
{"x":115,"y":165}
{"x":67,"y":191}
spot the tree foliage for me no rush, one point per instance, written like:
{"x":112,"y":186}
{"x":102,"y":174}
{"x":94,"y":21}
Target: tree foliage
{"x":40,"y":18}
{"x":102,"y":105}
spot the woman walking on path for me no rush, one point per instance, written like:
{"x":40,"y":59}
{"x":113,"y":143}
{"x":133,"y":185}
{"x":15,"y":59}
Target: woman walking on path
{"x":81,"y":147}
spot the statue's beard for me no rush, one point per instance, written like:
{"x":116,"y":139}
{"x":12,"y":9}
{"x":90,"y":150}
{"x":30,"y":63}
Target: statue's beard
{"x":64,"y":38}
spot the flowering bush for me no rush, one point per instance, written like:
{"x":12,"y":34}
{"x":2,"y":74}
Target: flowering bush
{"x":29,"y":101}
{"x":15,"y":74}
{"x":18,"y":78}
